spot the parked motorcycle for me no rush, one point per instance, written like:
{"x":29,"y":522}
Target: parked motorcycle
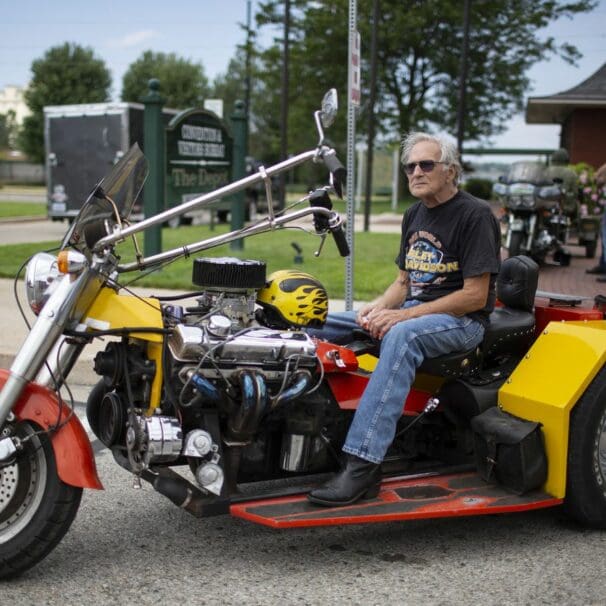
{"x":226,"y":384}
{"x":535,"y":224}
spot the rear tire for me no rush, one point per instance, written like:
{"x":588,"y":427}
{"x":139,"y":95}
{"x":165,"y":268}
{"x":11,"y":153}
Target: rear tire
{"x":586,"y":478}
{"x":36,"y":507}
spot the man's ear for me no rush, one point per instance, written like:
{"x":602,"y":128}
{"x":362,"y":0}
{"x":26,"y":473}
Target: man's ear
{"x":452,"y":173}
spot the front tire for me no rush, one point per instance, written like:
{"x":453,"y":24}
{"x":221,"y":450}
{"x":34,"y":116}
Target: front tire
{"x":515,"y":243}
{"x":586,"y":478}
{"x":36,"y":507}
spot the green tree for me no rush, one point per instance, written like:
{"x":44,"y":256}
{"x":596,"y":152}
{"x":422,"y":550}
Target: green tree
{"x":66,"y":74}
{"x":3,"y":131}
{"x":231,"y":87}
{"x":182,"y":83}
{"x":318,"y":54}
{"x":419,"y":59}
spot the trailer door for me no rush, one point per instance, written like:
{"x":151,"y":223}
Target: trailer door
{"x":82,"y":149}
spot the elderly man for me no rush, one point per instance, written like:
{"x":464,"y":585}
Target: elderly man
{"x":438,"y":304}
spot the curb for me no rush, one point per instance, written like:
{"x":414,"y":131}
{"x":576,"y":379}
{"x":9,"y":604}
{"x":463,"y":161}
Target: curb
{"x":24,"y":219}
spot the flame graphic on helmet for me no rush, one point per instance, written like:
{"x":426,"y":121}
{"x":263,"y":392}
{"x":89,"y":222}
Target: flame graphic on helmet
{"x":298,"y":297}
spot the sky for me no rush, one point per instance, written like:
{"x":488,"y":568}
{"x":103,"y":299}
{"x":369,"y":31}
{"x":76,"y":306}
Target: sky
{"x":208,"y":31}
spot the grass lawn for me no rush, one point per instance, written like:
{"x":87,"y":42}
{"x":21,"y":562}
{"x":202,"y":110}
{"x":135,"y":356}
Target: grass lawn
{"x":22,"y":209}
{"x":374,"y":266}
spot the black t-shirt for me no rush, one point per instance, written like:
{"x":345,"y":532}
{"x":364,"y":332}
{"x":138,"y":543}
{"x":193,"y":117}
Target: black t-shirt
{"x":443,"y":245}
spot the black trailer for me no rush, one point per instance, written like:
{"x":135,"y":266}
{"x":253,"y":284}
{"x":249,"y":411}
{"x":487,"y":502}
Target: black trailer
{"x":82,"y":142}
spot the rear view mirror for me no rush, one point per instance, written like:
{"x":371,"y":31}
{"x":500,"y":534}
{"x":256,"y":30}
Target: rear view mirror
{"x":330,"y":105}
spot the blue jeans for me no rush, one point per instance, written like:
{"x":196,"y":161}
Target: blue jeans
{"x":403,"y":349}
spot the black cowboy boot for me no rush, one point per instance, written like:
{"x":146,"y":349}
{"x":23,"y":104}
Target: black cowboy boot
{"x":358,"y":479}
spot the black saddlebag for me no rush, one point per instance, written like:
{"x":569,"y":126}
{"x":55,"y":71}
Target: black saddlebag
{"x":509,"y":450}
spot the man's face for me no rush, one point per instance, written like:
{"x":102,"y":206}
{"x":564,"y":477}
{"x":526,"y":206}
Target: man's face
{"x":436,"y":185}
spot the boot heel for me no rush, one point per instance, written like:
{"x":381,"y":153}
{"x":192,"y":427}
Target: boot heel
{"x":372,"y":492}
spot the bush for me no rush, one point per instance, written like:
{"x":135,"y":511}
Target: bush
{"x":480,"y":188}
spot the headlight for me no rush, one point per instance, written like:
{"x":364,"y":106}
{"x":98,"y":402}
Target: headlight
{"x":41,"y":279}
{"x":514,"y":201}
{"x":528,"y":201}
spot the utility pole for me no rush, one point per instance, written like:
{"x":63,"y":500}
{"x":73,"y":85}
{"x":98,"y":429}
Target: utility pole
{"x":248,"y":73}
{"x":463,"y":78}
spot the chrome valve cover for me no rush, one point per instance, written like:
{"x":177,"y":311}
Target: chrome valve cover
{"x":256,"y":346}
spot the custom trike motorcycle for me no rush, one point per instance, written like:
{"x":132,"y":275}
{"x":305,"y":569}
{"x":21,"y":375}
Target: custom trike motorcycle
{"x":222,"y":401}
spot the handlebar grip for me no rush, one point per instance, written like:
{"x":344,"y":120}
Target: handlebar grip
{"x":338,"y":174}
{"x":333,"y":164}
{"x":340,"y":240}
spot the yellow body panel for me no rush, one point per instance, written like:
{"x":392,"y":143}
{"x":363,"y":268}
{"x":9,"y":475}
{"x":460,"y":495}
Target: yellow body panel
{"x":113,"y":311}
{"x":367,"y":362}
{"x":549,"y":381}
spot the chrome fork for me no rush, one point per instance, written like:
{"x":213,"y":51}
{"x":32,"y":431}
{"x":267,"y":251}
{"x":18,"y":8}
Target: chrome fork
{"x":40,"y":341}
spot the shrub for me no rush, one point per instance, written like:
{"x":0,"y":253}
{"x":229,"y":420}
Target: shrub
{"x":480,"y":188}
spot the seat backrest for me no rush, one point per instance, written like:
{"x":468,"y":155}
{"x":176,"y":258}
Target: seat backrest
{"x":517,"y":282}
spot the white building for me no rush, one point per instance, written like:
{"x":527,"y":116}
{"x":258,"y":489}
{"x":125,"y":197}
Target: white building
{"x":11,"y":98}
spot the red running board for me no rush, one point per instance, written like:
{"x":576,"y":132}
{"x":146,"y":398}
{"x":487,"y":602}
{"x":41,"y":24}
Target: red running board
{"x":442,"y":496}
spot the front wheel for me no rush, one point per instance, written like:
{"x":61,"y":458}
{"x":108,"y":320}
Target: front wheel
{"x":515,"y":243}
{"x":586,"y":478}
{"x":36,"y":507}
{"x":590,"y":250}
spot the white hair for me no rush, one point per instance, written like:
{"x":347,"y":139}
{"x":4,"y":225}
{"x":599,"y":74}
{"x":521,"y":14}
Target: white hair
{"x":448,"y":150}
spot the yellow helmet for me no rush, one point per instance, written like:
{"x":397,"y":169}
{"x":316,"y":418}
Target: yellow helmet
{"x":293,"y":298}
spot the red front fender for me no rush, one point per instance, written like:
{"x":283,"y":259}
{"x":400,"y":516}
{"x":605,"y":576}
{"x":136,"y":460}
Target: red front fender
{"x":72,"y":448}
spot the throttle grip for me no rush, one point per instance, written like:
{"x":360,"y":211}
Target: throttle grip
{"x":338,"y":174}
{"x":340,"y":240}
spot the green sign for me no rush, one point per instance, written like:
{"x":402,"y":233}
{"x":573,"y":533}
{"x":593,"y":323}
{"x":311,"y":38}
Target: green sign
{"x":199,"y":150}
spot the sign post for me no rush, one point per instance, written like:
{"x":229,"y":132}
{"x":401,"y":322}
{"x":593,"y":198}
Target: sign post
{"x":353,"y":102}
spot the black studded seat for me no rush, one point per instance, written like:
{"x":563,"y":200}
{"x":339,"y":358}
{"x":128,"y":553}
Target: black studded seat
{"x":511,"y":328}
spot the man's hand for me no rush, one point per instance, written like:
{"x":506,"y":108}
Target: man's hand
{"x":391,"y":299}
{"x":365,"y":311}
{"x":381,"y":320}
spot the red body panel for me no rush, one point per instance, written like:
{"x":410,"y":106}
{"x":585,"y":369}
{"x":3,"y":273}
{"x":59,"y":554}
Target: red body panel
{"x":335,"y":358}
{"x":438,"y":496}
{"x":72,"y":448}
{"x":348,"y":387}
{"x":545,"y":314}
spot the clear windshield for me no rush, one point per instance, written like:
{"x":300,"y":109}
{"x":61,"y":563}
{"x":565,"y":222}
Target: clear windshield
{"x":116,"y":192}
{"x":526,"y":172}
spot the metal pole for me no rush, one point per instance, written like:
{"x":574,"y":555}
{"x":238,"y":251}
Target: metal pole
{"x":395,"y":178}
{"x":351,"y":157}
{"x":284,"y":101}
{"x":154,"y":143}
{"x":238,"y":126}
{"x":360,"y":176}
{"x":248,"y":73}
{"x":463,"y":79}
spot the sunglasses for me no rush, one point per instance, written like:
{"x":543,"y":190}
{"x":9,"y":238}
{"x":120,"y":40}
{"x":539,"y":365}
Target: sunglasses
{"x":425,"y":165}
